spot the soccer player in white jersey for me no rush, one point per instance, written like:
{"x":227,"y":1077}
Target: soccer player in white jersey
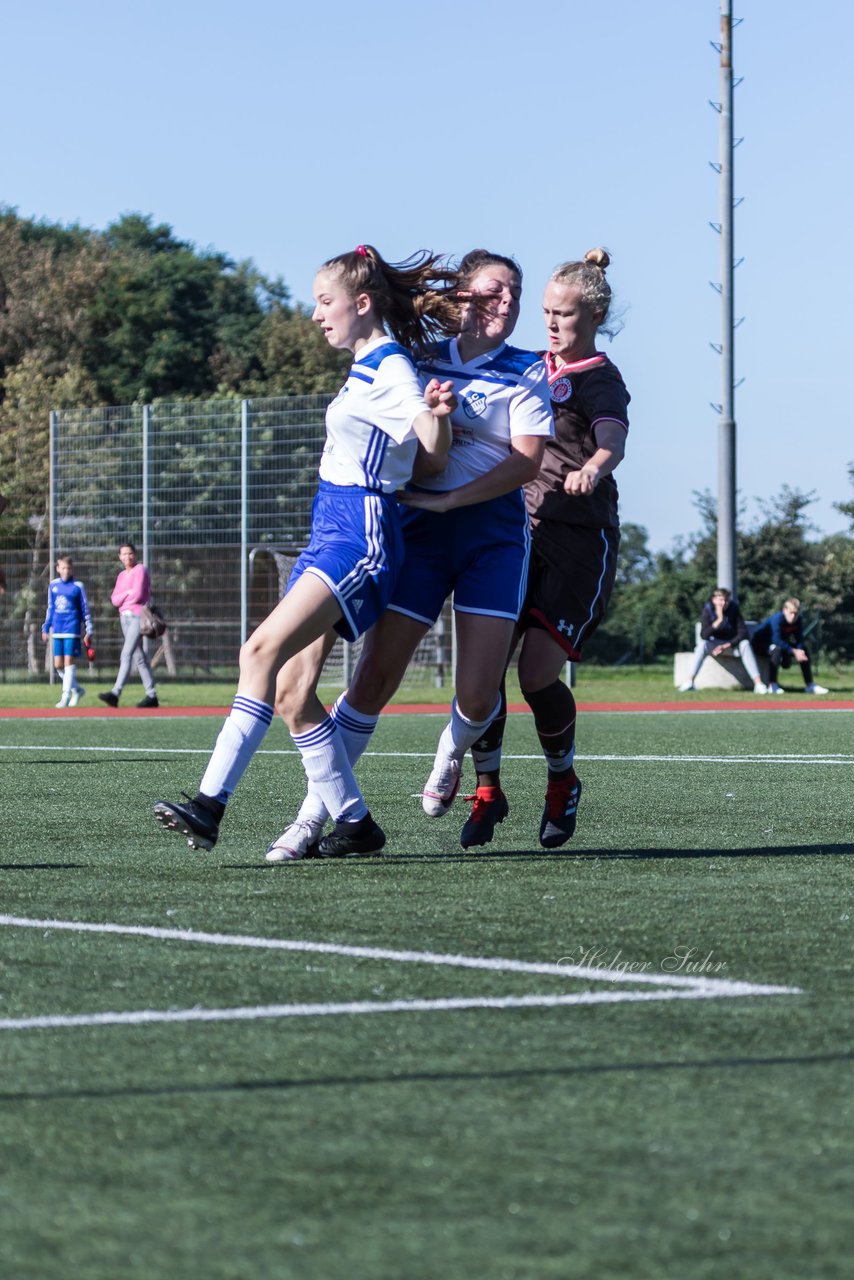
{"x":466,"y":532}
{"x":378,"y":425}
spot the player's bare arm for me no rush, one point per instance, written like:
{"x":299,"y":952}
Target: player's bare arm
{"x":611,"y":441}
{"x":521,"y":465}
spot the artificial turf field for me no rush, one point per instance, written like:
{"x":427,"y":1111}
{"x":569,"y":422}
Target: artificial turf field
{"x":628,"y":1058}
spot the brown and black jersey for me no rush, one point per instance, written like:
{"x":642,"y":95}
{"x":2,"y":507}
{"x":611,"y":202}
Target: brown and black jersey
{"x":582,"y":394}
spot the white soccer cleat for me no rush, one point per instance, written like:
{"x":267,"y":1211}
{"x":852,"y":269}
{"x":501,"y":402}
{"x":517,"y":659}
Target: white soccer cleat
{"x":64,"y":700}
{"x":76,"y":695}
{"x":687,"y":687}
{"x":816,"y":688}
{"x":442,"y":786}
{"x":299,"y":841}
{"x":760,"y":688}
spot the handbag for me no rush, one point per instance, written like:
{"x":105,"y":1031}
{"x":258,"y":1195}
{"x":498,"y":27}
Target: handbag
{"x":151,"y":621}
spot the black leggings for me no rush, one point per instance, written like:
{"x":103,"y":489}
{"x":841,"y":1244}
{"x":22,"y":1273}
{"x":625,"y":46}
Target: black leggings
{"x":778,"y":658}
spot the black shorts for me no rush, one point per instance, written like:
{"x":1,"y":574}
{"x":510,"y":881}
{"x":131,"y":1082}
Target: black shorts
{"x":570,"y":581}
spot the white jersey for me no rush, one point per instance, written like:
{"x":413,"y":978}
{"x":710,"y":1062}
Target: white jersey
{"x":501,"y":394}
{"x":369,"y":436}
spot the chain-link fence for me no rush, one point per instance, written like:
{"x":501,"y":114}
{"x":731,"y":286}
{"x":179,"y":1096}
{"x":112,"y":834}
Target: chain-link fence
{"x":215,"y":495}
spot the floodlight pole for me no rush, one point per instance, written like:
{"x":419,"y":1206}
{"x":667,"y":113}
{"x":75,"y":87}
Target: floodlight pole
{"x":727,"y":563}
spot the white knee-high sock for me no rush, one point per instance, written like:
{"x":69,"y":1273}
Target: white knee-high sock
{"x":239,"y":738}
{"x":329,"y":772}
{"x":69,"y":678}
{"x":356,"y":729}
{"x":460,"y":733}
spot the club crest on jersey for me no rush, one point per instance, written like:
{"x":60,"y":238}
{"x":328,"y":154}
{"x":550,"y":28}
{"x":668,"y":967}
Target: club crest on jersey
{"x":474,"y":403}
{"x":560,"y":390}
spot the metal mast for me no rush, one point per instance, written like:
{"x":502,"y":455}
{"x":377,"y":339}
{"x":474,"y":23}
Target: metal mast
{"x":727,"y":563}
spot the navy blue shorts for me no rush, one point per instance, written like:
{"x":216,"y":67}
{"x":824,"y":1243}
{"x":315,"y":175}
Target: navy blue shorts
{"x":480,"y":553}
{"x":356,"y":548}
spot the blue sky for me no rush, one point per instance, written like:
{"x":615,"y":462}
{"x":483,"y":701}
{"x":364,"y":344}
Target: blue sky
{"x":287,"y":134}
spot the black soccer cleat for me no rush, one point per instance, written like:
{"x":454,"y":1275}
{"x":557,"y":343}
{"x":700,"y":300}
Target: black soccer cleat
{"x":150,"y":700}
{"x":193,"y":820}
{"x":490,"y":807}
{"x":110,"y":699}
{"x":352,"y":839}
{"x":559,"y":815}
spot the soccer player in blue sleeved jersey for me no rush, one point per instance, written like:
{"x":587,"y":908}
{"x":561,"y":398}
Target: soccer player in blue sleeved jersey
{"x":465,"y":531}
{"x":69,"y":618}
{"x":379,"y":424}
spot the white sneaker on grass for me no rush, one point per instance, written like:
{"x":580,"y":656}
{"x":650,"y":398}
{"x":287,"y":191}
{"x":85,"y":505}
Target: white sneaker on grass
{"x":76,"y":695}
{"x":816,"y":688}
{"x":442,"y":786}
{"x":774,"y":688}
{"x":687,"y":687}
{"x":299,"y":841}
{"x":759,"y":687}
{"x":63,"y":701}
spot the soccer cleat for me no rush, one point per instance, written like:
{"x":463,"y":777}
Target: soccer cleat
{"x":810,"y":688}
{"x":193,"y":820}
{"x":76,"y":695}
{"x":687,"y":687}
{"x":760,"y":688}
{"x":350,"y":839}
{"x":774,"y":688}
{"x":64,"y":700}
{"x":150,"y":700}
{"x":558,"y":822}
{"x":490,"y":807}
{"x":110,"y":699}
{"x":299,"y":841}
{"x":442,"y":786}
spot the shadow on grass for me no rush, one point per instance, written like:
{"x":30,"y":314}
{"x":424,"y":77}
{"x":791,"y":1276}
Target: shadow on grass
{"x":43,"y":866}
{"x":419,"y":1077}
{"x":551,"y":855}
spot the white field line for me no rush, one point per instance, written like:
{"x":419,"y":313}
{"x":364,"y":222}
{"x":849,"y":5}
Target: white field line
{"x":599,"y":974}
{"x":771,"y":757}
{"x":145,"y":1017}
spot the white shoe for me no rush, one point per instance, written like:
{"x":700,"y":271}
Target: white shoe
{"x":299,"y":841}
{"x":63,"y":701}
{"x":760,"y":688}
{"x":774,"y":688}
{"x":442,"y":786}
{"x":687,"y":687}
{"x":76,"y":695}
{"x":816,"y":688}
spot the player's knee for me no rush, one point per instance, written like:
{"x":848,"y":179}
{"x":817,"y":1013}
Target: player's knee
{"x":371,"y":688}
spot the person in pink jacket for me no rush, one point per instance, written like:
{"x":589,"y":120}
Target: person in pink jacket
{"x":131,"y":592}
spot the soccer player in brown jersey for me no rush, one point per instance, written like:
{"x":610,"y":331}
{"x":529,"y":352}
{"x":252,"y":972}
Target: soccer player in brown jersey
{"x":572,"y":505}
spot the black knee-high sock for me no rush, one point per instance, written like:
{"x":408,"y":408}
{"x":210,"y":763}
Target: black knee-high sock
{"x":554,"y":719}
{"x":486,"y":752}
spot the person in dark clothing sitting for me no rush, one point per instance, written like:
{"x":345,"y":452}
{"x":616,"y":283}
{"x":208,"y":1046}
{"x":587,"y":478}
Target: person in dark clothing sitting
{"x":722,"y":630}
{"x":781,"y":637}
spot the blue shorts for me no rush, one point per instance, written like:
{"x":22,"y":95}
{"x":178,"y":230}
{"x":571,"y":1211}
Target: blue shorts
{"x":479,"y":552}
{"x":66,"y":646}
{"x":356,"y":548}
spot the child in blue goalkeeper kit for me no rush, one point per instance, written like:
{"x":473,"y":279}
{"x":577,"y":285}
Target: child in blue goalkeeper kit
{"x":377,"y":428}
{"x":70,"y":620}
